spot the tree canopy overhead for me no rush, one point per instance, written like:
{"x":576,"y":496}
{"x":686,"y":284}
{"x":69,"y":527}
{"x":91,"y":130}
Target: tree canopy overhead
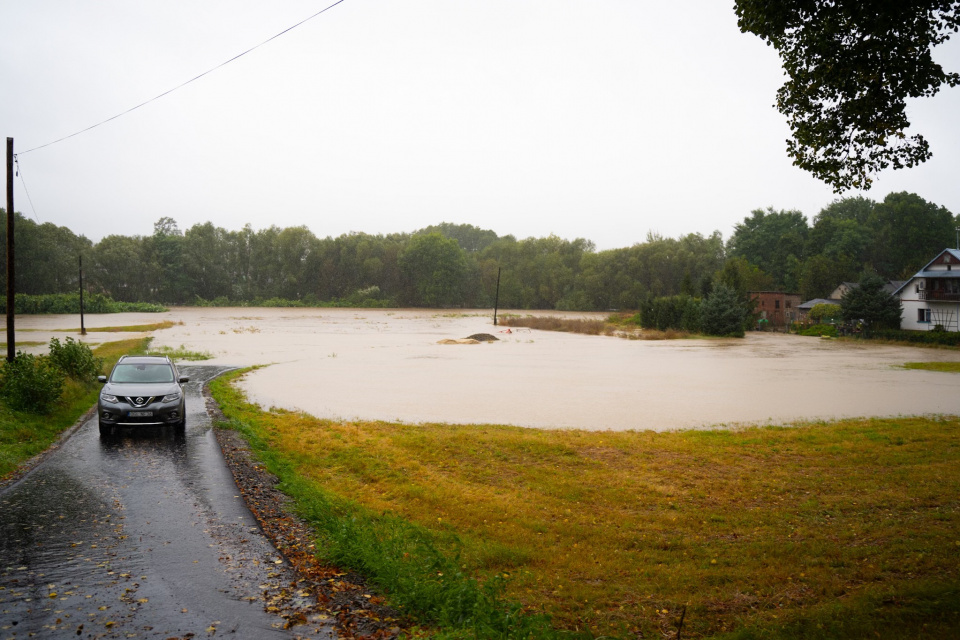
{"x":851,"y":66}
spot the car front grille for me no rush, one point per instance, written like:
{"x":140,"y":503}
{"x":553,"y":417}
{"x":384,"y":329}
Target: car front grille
{"x":138,"y":401}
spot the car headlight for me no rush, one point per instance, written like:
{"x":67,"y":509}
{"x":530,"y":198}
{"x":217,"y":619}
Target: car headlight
{"x":106,"y":397}
{"x":171,"y":397}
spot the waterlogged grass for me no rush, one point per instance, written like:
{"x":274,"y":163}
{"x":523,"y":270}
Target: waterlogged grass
{"x":950,"y":367}
{"x":180,"y":353}
{"x":24,"y":435}
{"x":615,"y":325}
{"x":136,"y":328}
{"x":846,"y":529}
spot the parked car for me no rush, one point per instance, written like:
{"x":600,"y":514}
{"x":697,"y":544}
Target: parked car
{"x":142,"y":391}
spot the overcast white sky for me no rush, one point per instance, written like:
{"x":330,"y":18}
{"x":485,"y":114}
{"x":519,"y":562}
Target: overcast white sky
{"x":600,"y":119}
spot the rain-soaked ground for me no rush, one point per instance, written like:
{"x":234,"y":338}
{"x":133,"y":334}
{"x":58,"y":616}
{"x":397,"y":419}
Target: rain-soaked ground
{"x":387,"y":364}
{"x":142,"y":536}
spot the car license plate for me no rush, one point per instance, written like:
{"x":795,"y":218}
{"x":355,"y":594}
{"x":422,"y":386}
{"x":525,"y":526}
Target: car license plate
{"x":141,"y":414}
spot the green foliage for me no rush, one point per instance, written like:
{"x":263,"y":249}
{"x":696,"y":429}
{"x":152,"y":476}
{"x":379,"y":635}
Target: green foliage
{"x":69,"y":303}
{"x":870,"y":303}
{"x":908,"y":232}
{"x":723,"y":313}
{"x":31,"y":383}
{"x":24,"y":435}
{"x":46,"y":258}
{"x":75,"y":359}
{"x":681,"y":313}
{"x":458,"y":265}
{"x":850,"y":72}
{"x":820,"y":330}
{"x":774,"y":241}
{"x":742,"y":276}
{"x":943,"y":338}
{"x":470,"y":238}
{"x":435,"y":267}
{"x":822,"y":311}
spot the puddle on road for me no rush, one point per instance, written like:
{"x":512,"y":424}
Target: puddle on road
{"x":386,"y":364}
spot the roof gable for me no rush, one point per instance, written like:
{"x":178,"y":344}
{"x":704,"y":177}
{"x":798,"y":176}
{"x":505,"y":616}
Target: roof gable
{"x":947,"y":256}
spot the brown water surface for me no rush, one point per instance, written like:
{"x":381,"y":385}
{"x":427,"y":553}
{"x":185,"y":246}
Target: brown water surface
{"x":386,"y":364}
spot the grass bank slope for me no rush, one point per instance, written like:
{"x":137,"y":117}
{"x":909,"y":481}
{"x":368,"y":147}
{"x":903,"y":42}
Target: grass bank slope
{"x":826,"y":530}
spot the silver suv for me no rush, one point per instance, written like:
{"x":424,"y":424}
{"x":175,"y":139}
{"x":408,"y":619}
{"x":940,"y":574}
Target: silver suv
{"x":142,"y":391}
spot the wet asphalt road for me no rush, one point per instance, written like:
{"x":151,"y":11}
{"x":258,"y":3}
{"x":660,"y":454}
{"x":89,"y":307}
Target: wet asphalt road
{"x":140,"y":536}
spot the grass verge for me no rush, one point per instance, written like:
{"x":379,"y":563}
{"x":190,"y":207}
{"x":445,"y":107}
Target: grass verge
{"x":950,"y":367}
{"x":24,"y":435}
{"x":823,"y":530}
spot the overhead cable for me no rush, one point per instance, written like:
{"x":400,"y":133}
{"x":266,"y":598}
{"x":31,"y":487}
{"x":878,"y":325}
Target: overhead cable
{"x":16,"y":162}
{"x":183,"y":84}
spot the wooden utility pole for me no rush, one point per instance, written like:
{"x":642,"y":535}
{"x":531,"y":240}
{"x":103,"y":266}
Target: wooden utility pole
{"x":11,"y":292}
{"x":83,"y":329}
{"x":496,"y":300}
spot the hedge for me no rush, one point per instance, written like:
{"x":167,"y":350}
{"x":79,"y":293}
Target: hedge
{"x":947,"y":338}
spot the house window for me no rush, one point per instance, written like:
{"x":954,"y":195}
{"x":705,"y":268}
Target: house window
{"x":776,"y":304}
{"x":923,"y":315}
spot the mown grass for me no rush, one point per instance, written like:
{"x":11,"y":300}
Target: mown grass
{"x":950,"y":367}
{"x":614,"y":325}
{"x":836,"y":530}
{"x":24,"y":435}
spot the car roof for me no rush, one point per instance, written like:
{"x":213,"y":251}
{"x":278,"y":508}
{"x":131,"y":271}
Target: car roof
{"x":144,"y":360}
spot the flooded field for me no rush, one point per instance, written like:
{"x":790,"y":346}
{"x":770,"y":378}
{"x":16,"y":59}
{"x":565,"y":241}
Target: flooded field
{"x":387,"y":364}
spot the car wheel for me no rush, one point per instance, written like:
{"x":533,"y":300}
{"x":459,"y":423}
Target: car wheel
{"x":181,"y":427}
{"x":105,"y":430}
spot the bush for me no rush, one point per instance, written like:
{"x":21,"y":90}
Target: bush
{"x":70,"y":303}
{"x":820,"y":330}
{"x":946,"y":338}
{"x":31,"y":383}
{"x":821,"y":312}
{"x":681,"y":313}
{"x":724,"y":314}
{"x":75,"y":359}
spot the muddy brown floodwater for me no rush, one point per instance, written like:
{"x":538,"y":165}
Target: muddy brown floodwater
{"x":387,"y":364}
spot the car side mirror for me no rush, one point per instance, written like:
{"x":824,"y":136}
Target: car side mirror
{"x":101,"y":378}
{"x":184,"y":380}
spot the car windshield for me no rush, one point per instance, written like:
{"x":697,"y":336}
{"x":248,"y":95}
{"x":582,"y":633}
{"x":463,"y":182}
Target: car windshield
{"x":142,"y":373}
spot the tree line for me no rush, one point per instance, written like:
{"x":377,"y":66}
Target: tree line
{"x":457,"y":265}
{"x":848,"y":238}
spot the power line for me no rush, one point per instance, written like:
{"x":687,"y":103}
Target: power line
{"x":183,"y":84}
{"x":24,"y":183}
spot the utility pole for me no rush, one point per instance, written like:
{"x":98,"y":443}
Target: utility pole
{"x":83,"y":329}
{"x":11,"y":343}
{"x":496,"y":300}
